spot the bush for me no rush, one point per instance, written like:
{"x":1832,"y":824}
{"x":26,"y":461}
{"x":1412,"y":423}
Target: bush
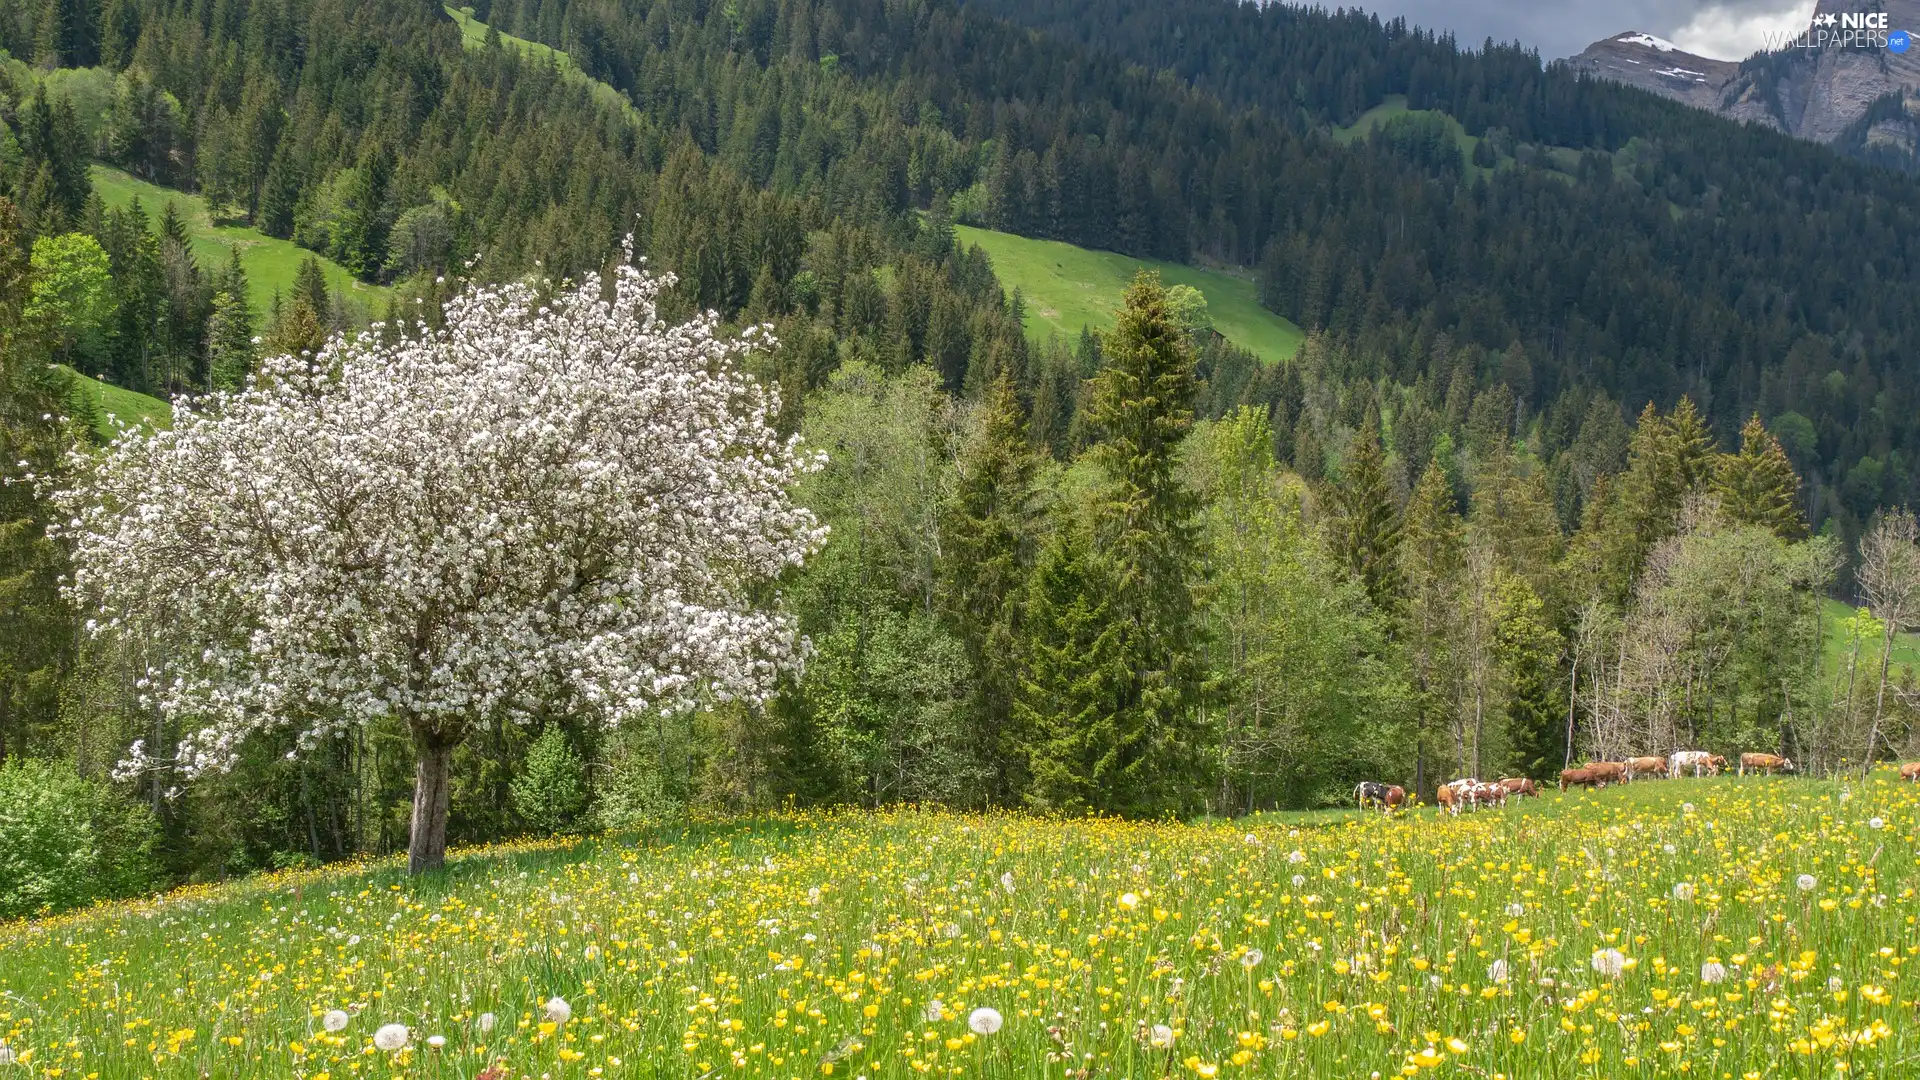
{"x":67,"y":841}
{"x":548,"y":793}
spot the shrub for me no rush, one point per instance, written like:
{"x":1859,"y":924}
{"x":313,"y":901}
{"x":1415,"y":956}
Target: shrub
{"x":548,"y":792}
{"x":66,"y":840}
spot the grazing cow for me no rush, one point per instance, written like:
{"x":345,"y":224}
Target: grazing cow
{"x":1910,"y":772}
{"x":1577,"y":777}
{"x":1446,"y":800}
{"x":1370,"y":793}
{"x":1764,"y":763}
{"x":1396,"y":797}
{"x":1641,"y":768}
{"x":1608,"y":772}
{"x":1714,"y":764}
{"x":1490,"y":794}
{"x":1697,"y":760}
{"x":1520,"y":785}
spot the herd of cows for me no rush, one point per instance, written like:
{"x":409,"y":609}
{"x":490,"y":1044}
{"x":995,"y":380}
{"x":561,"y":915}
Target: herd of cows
{"x":1471,"y":794}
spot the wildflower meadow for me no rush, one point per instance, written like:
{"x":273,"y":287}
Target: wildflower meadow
{"x":1718,"y":928}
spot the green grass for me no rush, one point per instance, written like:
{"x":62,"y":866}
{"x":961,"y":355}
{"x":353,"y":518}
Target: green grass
{"x":1906,"y":647}
{"x":856,"y":944}
{"x":473,"y":35}
{"x":1068,"y":287}
{"x":270,"y":263}
{"x":131,"y":407}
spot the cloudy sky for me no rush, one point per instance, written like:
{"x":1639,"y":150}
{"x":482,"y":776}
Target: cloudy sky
{"x":1723,"y":29}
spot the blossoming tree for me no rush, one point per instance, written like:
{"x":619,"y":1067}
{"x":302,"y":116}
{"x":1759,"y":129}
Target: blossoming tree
{"x":550,"y":503}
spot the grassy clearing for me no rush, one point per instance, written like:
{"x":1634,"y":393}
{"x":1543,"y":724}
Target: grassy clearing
{"x":473,"y":35}
{"x":1070,"y":287}
{"x":270,"y":263}
{"x":1703,"y":928}
{"x":130,"y":406}
{"x":1906,"y":647}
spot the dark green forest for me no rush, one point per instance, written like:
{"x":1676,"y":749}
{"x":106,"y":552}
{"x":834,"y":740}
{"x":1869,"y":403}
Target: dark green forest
{"x":1624,"y":377}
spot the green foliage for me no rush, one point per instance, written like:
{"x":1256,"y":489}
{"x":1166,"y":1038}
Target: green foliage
{"x":1757,"y":486}
{"x":550,"y":790}
{"x":1365,"y":529}
{"x":66,"y":841}
{"x":69,"y":298}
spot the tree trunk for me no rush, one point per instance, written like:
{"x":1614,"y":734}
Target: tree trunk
{"x":1880,"y":697}
{"x":427,"y":839}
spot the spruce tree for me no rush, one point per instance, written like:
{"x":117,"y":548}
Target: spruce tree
{"x":986,"y":549}
{"x":1757,"y":486}
{"x":1363,"y":525}
{"x":1430,"y":554}
{"x":1150,"y":757}
{"x":1072,"y":671}
{"x":229,"y":341}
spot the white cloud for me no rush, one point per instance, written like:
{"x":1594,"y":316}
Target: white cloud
{"x":1725,"y":33}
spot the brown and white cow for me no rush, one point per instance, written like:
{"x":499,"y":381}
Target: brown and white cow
{"x":1578,"y":778}
{"x":1396,"y":797}
{"x":1487,"y":795}
{"x":1643,"y":768}
{"x":1520,"y":786}
{"x":1445,"y":798}
{"x":1608,"y":772}
{"x":1910,"y":772}
{"x":1696,"y":761}
{"x":1764,"y":763}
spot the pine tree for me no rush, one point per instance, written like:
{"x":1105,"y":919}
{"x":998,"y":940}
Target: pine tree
{"x":1072,"y":670}
{"x":1363,"y":521}
{"x":1757,"y":486}
{"x":1668,"y":458}
{"x":229,"y":341}
{"x":986,"y":550}
{"x":1146,"y":531}
{"x":1430,"y":554}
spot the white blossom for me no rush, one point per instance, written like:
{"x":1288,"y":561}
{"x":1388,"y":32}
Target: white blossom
{"x":568,"y":504}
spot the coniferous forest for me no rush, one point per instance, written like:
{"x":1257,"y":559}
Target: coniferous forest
{"x":1603,"y":401}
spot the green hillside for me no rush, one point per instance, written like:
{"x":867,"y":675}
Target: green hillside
{"x":130,"y":406}
{"x":270,"y":263}
{"x":1068,"y":287}
{"x":473,"y":35}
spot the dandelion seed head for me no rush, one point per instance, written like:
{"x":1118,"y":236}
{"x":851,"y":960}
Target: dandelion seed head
{"x":390,"y":1037}
{"x":984,"y":1020}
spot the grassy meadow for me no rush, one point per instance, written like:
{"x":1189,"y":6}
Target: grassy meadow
{"x":1906,"y":647}
{"x":271,"y":264}
{"x":1068,"y":287}
{"x":473,"y":35}
{"x":1715,"y":928}
{"x":112,"y":402}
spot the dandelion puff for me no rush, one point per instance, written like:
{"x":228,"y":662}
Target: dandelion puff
{"x":391,"y":1037}
{"x":1609,"y":962}
{"x":1497,"y":971}
{"x":936,"y":1011}
{"x":1252,"y":959}
{"x":1876,"y":823}
{"x":1299,"y":880}
{"x":1006,"y":881}
{"x":1806,"y":882}
{"x":1846,"y":796}
{"x":1296,"y":856}
{"x":352,"y":941}
{"x":1515,"y":910}
{"x":1160,"y":1037}
{"x":1683,"y":890}
{"x":984,"y":1020}
{"x":487,"y":1021}
{"x":1130,"y":900}
{"x":1686,"y":808}
{"x":335,"y":1020}
{"x":1713,"y":971}
{"x":6,"y":1054}
{"x":558,"y":1010}
{"x":437,"y":1042}
{"x":1668,"y":848}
